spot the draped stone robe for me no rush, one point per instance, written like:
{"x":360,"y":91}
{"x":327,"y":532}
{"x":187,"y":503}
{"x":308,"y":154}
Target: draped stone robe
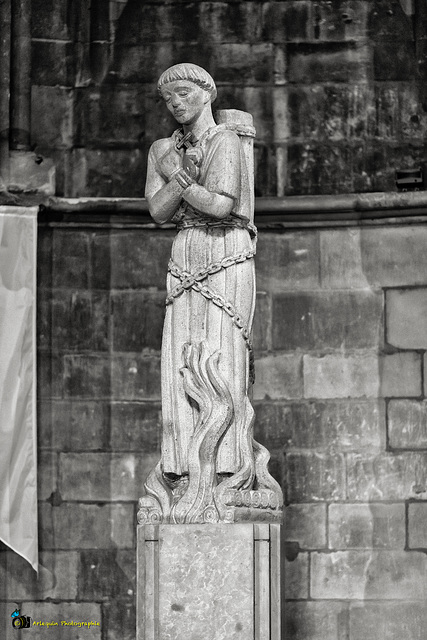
{"x":204,"y":244}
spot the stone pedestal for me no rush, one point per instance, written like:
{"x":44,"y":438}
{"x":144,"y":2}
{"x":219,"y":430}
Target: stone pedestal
{"x":208,"y":582}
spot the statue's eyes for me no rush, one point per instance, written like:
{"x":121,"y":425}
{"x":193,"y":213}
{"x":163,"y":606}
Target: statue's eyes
{"x":182,"y":94}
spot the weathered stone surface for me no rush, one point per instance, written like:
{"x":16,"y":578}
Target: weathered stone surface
{"x":80,"y":320}
{"x":319,"y":320}
{"x":400,"y":375}
{"x":52,"y":116}
{"x":310,"y":620}
{"x":106,"y":574}
{"x":70,"y":259}
{"x":88,"y":526}
{"x":344,"y":425}
{"x":118,"y":620}
{"x":47,"y":466}
{"x":417,"y":525}
{"x":103,"y":476}
{"x":358,"y":526}
{"x":56,"y":579}
{"x":393,"y":60}
{"x":407,"y":425}
{"x":291,"y":21}
{"x":278,"y":377}
{"x":386,"y":477}
{"x":306,"y":524}
{"x":262,"y":323}
{"x":337,"y":376}
{"x":137,"y":321}
{"x":121,"y":263}
{"x":315,"y":476}
{"x":87,"y":376}
{"x":70,"y":425}
{"x":406,"y":315}
{"x":391,"y":620}
{"x":52,"y":63}
{"x":135,"y":378}
{"x":194,"y":579}
{"x":368,"y":575}
{"x":296,"y":577}
{"x":341,"y":21}
{"x":339,"y":62}
{"x":135,"y":426}
{"x":386,"y":257}
{"x":287,"y":262}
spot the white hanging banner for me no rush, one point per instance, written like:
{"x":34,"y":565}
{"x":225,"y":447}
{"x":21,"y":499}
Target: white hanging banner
{"x":18,"y":462}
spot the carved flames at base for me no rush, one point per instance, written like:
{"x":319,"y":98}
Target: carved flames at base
{"x":202,"y":496}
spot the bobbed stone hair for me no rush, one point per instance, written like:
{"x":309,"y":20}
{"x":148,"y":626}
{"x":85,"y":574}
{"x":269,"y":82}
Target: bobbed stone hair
{"x":190,"y":72}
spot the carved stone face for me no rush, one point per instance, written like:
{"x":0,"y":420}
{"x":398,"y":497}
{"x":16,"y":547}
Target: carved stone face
{"x":185,"y":100}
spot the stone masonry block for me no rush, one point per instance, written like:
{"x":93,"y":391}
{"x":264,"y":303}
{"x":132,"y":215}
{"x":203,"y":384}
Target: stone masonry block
{"x":287,"y":22}
{"x":135,"y":377}
{"x":56,"y":579}
{"x":80,"y":320}
{"x":70,"y":259}
{"x":119,"y":620}
{"x":311,"y":620}
{"x":329,"y":112}
{"x":342,"y":265}
{"x":337,"y":376}
{"x":104,"y":476}
{"x":135,"y":426}
{"x":262,"y":323}
{"x":52,"y":63}
{"x":287,"y":262}
{"x":386,"y":257}
{"x":393,"y":60}
{"x":137,"y":320}
{"x":329,"y":62}
{"x":358,"y":526}
{"x":106,"y":574}
{"x":386,"y":477}
{"x":407,"y":424}
{"x":391,"y":620}
{"x":230,"y":22}
{"x":111,"y":173}
{"x":52,"y":116}
{"x":242,"y":63}
{"x":406,"y":317}
{"x":92,"y":526}
{"x":417,"y":525}
{"x":296,"y":577}
{"x":278,"y":377}
{"x":315,"y":476}
{"x":342,"y":425}
{"x":400,"y":375}
{"x":131,"y":260}
{"x":333,"y":320}
{"x":49,"y":19}
{"x":49,"y":376}
{"x":46,"y":474}
{"x":87,"y":376}
{"x":63,"y":611}
{"x":342,"y":21}
{"x":75,"y":425}
{"x":306,"y":524}
{"x":368,"y":575}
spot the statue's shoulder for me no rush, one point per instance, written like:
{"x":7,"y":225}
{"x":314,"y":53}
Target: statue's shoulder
{"x":162,"y":146}
{"x":223,"y":135}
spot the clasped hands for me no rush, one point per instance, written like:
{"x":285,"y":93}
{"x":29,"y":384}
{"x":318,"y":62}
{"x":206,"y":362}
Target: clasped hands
{"x":184,"y":166}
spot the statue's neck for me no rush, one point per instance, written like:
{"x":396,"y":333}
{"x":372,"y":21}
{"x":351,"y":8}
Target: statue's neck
{"x":201,"y":125}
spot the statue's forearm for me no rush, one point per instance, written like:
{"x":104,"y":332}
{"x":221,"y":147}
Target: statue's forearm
{"x":164,"y":203}
{"x":211,"y":204}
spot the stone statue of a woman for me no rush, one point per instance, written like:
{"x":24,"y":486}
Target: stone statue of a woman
{"x":210,"y":468}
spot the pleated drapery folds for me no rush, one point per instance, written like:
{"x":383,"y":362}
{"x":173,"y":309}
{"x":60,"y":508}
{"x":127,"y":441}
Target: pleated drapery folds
{"x":18,"y":462}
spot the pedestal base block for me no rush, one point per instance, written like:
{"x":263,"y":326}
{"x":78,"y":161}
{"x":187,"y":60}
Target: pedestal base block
{"x":208,"y":582}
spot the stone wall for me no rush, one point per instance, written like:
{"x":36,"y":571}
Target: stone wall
{"x":336,"y":88}
{"x":341,"y":341}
